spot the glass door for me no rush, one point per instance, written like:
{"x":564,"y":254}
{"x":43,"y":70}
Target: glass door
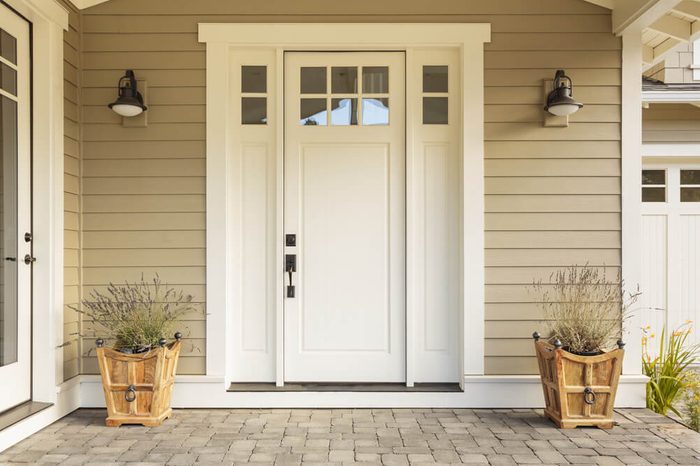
{"x":15,"y":215}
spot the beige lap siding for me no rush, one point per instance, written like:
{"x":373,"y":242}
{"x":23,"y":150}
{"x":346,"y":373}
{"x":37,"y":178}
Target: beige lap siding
{"x":669,"y":123}
{"x":71,"y":122}
{"x":552,"y":193}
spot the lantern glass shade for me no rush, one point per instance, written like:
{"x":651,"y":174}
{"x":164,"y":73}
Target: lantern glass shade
{"x":129,"y":103}
{"x":560,"y":101}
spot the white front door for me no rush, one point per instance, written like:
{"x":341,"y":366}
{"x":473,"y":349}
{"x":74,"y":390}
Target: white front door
{"x":345,"y":202}
{"x":15,"y":217}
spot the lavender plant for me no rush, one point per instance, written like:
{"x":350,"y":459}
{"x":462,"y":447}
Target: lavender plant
{"x":135,"y":316}
{"x":583,"y":308}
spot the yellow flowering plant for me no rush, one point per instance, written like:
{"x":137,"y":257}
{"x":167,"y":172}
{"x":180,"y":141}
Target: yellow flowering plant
{"x":668,"y":370}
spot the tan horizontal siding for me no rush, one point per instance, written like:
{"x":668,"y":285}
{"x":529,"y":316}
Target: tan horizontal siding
{"x":671,"y":123}
{"x":552,"y":194}
{"x":71,"y":240}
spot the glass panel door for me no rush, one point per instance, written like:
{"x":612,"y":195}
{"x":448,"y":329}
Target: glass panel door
{"x":15,"y":211}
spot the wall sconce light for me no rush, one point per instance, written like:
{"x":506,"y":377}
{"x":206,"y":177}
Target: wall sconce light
{"x":560,"y":101}
{"x":129,"y":103}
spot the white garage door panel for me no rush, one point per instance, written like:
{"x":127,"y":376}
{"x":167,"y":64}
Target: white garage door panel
{"x":653,"y":301}
{"x":690,"y":270}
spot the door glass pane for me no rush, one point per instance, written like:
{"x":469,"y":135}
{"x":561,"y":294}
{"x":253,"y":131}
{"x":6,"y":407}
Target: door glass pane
{"x":375,"y":111}
{"x":653,"y":194}
{"x":690,"y":177}
{"x":313,"y":80}
{"x":344,"y":79}
{"x":313,"y":112}
{"x":435,"y":79}
{"x":8,"y":231}
{"x":650,"y":177}
{"x":690,"y":194}
{"x":435,"y":110}
{"x":343,"y":112}
{"x":254,"y":110}
{"x":375,"y":79}
{"x":8,"y":79}
{"x":8,"y":47}
{"x":254,"y":79}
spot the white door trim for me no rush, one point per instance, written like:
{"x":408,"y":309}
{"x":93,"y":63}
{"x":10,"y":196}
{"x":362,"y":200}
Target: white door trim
{"x":220,"y":38}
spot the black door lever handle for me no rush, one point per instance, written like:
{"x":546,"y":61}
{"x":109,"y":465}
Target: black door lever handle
{"x":290,"y":287}
{"x":11,"y":259}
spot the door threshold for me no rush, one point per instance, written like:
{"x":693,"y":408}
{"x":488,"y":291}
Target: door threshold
{"x":345,"y":387}
{"x":20,"y":412}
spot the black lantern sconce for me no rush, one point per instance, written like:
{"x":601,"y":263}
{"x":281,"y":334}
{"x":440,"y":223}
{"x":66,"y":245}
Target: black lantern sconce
{"x":129,"y":103}
{"x":560,"y":101}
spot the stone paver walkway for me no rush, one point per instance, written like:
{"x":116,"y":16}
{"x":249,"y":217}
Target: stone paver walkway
{"x":347,"y":436}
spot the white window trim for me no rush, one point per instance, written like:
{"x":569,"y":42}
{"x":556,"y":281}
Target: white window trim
{"x":469,"y":38}
{"x":696,"y":60}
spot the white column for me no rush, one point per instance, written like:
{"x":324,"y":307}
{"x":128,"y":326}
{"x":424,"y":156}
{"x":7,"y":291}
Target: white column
{"x":218,"y":274}
{"x":631,"y":188}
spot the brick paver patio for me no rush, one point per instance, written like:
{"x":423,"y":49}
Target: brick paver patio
{"x":347,"y":436}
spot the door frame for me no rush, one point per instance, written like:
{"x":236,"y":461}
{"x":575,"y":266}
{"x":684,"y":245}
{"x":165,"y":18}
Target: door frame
{"x":19,"y":202}
{"x":468,"y":39}
{"x":48,"y":21}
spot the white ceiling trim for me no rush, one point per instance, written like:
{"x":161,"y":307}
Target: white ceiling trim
{"x":82,"y":4}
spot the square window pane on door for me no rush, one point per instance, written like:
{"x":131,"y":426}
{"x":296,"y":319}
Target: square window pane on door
{"x":690,"y":177}
{"x":254,"y":110}
{"x":653,"y":194}
{"x":375,"y":112}
{"x":343,"y":112}
{"x":344,"y":79}
{"x":313,"y":112}
{"x":313,"y":80}
{"x":375,"y":79}
{"x":8,"y":79}
{"x":690,"y":194}
{"x":435,"y":110}
{"x":435,"y":79}
{"x":651,"y":177}
{"x":8,"y":47}
{"x":254,"y":79}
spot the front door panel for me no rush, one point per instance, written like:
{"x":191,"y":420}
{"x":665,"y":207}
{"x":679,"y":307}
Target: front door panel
{"x":15,"y":217}
{"x":345,"y":201}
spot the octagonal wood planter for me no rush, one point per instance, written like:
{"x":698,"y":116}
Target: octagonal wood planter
{"x":138,"y":387}
{"x":579,"y":390}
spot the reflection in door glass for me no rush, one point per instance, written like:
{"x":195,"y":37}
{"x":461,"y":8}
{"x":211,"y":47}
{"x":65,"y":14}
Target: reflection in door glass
{"x":375,"y":112}
{"x":343,"y":112}
{"x":313,"y":112}
{"x":344,"y":80}
{"x":8,"y":47}
{"x":8,"y":231}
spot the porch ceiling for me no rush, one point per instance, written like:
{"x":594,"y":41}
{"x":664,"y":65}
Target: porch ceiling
{"x":664,"y":24}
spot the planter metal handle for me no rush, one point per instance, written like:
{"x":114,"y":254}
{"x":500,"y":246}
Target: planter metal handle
{"x":130,"y":394}
{"x":589,"y":396}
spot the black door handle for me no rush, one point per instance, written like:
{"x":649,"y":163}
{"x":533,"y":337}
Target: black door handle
{"x":29,"y":259}
{"x":290,"y":287}
{"x":11,"y":259}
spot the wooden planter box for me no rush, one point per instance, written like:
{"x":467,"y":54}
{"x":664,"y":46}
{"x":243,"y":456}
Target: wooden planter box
{"x":579,"y":390}
{"x":138,"y":387}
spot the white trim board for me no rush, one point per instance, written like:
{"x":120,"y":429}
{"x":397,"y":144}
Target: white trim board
{"x":480,"y":392}
{"x":668,"y":97}
{"x":671,"y":150}
{"x":468,"y":39}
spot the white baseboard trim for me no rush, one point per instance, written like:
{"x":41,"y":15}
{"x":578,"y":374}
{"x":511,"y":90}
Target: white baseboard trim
{"x":68,"y":400}
{"x":480,"y":392}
